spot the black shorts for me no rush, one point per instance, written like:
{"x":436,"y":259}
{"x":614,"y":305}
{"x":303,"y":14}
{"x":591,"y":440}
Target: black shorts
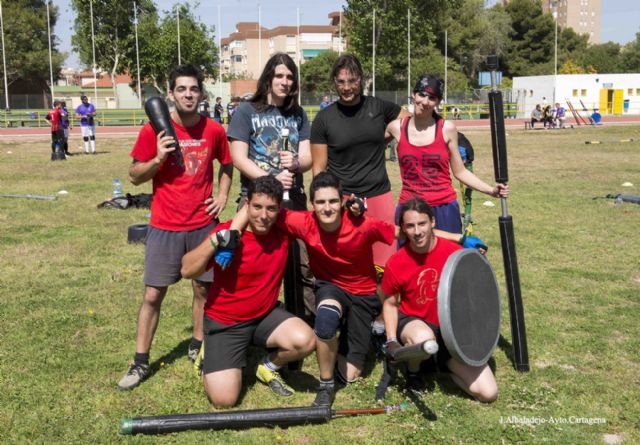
{"x":225,"y":346}
{"x":358,"y":311}
{"x":443,"y":355}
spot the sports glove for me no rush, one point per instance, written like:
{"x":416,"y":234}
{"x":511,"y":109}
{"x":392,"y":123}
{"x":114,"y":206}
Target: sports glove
{"x":227,"y":239}
{"x":390,"y":347}
{"x":223,"y":257}
{"x":472,"y":242}
{"x":357,"y":201}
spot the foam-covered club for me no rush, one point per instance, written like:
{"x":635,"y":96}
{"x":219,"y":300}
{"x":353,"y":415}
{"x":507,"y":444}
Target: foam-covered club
{"x":507,"y":237}
{"x":158,"y":114}
{"x":233,"y":420}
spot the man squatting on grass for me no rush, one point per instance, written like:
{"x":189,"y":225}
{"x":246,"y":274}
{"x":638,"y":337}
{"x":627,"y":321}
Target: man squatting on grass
{"x":183,"y":210}
{"x":242,"y":306}
{"x":257,"y":149}
{"x":412,"y":276}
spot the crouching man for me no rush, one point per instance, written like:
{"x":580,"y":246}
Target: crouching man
{"x":242,"y":307}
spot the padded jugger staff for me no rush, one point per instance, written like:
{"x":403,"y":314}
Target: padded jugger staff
{"x":224,"y":420}
{"x":507,"y":238}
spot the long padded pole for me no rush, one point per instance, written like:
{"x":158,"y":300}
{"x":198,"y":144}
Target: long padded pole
{"x":507,"y":238}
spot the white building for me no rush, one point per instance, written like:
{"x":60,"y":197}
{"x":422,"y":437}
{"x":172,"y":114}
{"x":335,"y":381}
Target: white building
{"x":610,"y":93}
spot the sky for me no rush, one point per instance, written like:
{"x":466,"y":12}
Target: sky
{"x":620,"y":18}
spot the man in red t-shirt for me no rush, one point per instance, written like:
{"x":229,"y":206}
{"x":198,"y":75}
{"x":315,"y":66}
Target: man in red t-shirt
{"x":413,"y":275}
{"x":183,"y":209}
{"x":242,"y":307}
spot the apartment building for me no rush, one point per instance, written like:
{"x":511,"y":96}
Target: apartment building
{"x":245,"y":51}
{"x":581,"y":15}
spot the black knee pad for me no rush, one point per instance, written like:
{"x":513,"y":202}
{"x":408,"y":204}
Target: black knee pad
{"x":85,"y":138}
{"x":93,"y":138}
{"x":327,"y":321}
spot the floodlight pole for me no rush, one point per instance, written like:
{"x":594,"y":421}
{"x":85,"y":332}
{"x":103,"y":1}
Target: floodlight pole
{"x":135,"y":23}
{"x":219,"y":55}
{"x":340,"y":34}
{"x":178,"y":24}
{"x":373,"y":64}
{"x":298,"y":56}
{"x":50,"y":61}
{"x":4,"y":61}
{"x":555,"y":55}
{"x":408,"y":57}
{"x":93,"y":48}
{"x":446,"y":51}
{"x":259,"y":40}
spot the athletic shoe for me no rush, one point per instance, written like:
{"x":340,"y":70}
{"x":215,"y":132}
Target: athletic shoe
{"x":415,"y":384}
{"x":135,"y":375}
{"x":326,"y":394}
{"x":198,"y":362}
{"x":193,"y":354}
{"x":274,"y":381}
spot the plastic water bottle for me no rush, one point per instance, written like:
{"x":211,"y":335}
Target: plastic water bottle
{"x":117,"y":188}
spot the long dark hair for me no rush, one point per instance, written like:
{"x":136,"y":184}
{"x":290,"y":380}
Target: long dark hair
{"x":350,"y":63}
{"x":260,"y":98}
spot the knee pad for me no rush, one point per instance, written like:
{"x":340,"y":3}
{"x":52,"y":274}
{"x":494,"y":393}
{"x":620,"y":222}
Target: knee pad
{"x":93,"y":138}
{"x":327,"y":321}
{"x":85,"y":138}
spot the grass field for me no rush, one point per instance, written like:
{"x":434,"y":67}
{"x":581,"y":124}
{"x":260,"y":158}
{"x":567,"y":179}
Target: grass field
{"x":71,"y":287}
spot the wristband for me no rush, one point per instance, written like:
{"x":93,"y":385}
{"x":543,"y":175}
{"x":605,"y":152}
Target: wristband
{"x":392,"y":339}
{"x":296,"y":166}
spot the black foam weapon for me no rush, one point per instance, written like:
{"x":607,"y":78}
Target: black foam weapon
{"x":507,"y":238}
{"x":158,"y":114}
{"x":270,"y":417}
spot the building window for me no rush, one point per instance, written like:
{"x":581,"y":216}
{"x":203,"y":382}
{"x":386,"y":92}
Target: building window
{"x":583,"y":93}
{"x":575,"y":93}
{"x":637,"y":91}
{"x":630,"y":91}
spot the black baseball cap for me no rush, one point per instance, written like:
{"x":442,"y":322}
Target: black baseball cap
{"x":429,"y":84}
{"x":83,"y":97}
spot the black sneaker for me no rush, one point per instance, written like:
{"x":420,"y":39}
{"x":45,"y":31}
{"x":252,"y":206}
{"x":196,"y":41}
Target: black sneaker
{"x":326,"y":394}
{"x":135,"y":375}
{"x":415,"y":384}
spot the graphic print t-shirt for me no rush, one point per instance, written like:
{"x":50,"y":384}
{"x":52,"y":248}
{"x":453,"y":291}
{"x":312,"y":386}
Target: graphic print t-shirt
{"x":180,"y":188}
{"x":262,"y":131}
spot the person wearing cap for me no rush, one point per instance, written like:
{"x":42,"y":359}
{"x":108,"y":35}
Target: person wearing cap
{"x":427,"y":150}
{"x":86,"y":112}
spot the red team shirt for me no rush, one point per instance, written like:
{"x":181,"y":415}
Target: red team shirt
{"x":179,"y":191}
{"x":416,"y":277}
{"x":343,"y":257}
{"x":54,"y":118}
{"x":425,"y":169}
{"x":249,"y":287}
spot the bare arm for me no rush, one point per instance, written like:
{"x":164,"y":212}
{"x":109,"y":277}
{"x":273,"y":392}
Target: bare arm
{"x":464,"y":175}
{"x":216,"y":206}
{"x":390,"y":314}
{"x":141,"y":172}
{"x":194,"y":262}
{"x":393,"y":130}
{"x":319,"y":158}
{"x":288,"y":159}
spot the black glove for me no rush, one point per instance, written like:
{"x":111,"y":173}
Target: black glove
{"x":390,"y":347}
{"x":359,"y":202}
{"x":227,"y":239}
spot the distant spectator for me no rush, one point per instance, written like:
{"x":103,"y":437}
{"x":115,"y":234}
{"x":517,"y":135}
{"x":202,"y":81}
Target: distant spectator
{"x":218,"y":110}
{"x":547,"y":116}
{"x":231,"y":108}
{"x":86,"y":112}
{"x":560,"y":115}
{"x":325,"y":102}
{"x":536,"y":115}
{"x":57,"y":132}
{"x":456,"y":113}
{"x":203,"y":107}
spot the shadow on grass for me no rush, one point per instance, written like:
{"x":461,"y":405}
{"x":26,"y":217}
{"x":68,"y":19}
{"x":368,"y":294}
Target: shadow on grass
{"x":507,"y":348}
{"x":178,"y":351}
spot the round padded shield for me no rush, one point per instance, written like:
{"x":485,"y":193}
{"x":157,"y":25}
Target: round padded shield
{"x":469,"y":307}
{"x":137,"y":233}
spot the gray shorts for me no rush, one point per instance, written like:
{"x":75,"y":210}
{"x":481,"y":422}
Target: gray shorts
{"x":164,"y":251}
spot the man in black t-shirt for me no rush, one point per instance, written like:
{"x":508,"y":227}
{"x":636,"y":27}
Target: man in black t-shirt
{"x":348,"y":139}
{"x":218,"y":109}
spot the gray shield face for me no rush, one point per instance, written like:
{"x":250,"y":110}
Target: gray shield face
{"x":469,"y":307}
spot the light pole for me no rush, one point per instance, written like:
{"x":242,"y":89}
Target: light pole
{"x":178,"y":24}
{"x":50,"y":61}
{"x":555,"y":55}
{"x":135,"y":23}
{"x":219,"y":56}
{"x":259,"y":40}
{"x":446,"y":50}
{"x":298,"y":50}
{"x":373,"y":64}
{"x":4,"y":62}
{"x":93,"y":50}
{"x":408,"y":57}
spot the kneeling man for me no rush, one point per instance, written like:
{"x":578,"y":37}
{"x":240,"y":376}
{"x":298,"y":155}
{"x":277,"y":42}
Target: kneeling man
{"x":412,"y":276}
{"x":242,"y":306}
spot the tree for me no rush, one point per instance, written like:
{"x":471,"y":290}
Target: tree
{"x":26,"y":43}
{"x":531,"y":50}
{"x":158,"y":41}
{"x":604,"y":58}
{"x":630,"y":56}
{"x":315,"y":73}
{"x":114,"y":34}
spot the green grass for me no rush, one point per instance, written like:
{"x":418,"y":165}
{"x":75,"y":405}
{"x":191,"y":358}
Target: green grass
{"x":71,"y":287}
